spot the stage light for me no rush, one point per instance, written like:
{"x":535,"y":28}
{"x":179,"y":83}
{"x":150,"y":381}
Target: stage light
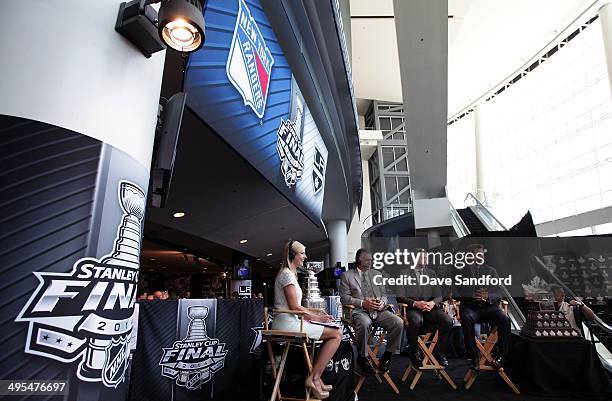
{"x":179,"y":214}
{"x":179,"y":25}
{"x":244,"y":241}
{"x":269,"y":254}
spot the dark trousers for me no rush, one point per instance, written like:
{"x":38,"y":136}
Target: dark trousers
{"x":491,"y":314}
{"x":456,"y":343}
{"x":436,"y":318}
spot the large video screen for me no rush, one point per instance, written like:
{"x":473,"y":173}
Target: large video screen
{"x":241,"y":85}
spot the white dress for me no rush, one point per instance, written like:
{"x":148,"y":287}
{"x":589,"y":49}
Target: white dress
{"x":289,"y":321}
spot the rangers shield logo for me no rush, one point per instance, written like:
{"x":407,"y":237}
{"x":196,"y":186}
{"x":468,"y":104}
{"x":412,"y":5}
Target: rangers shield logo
{"x":249,"y":64}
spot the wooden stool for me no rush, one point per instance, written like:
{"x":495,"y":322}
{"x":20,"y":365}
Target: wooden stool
{"x":430,"y":362}
{"x":299,"y":338}
{"x":485,"y":347}
{"x":347,"y":318}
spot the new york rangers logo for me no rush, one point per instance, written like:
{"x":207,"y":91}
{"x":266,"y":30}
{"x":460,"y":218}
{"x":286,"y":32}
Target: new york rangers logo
{"x":249,"y":64}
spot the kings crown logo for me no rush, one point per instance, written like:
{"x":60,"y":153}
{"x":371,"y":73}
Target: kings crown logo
{"x":87,"y":314}
{"x":193,"y":361}
{"x":249,"y":64}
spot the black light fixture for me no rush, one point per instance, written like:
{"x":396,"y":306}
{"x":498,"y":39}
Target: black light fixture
{"x":179,"y":25}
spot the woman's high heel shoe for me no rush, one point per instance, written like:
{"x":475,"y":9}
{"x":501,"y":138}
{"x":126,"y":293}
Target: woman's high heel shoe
{"x":310,"y":388}
{"x":326,"y":387}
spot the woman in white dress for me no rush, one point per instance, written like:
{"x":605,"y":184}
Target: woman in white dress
{"x":288,"y":295}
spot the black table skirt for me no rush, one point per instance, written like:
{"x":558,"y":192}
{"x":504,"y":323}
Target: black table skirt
{"x":557,"y":367}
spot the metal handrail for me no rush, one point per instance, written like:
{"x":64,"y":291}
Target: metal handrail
{"x":381,"y":216}
{"x":487,"y":211}
{"x":460,"y":224}
{"x":515,"y":306}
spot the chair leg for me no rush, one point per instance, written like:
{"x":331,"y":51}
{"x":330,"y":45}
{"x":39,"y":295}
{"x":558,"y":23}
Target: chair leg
{"x":271,"y":357}
{"x":307,"y":358}
{"x":505,"y":377}
{"x":279,"y":374}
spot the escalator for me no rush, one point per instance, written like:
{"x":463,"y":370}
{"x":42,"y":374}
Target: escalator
{"x":472,"y":221}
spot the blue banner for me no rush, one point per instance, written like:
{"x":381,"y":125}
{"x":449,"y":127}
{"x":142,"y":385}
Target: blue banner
{"x":241,"y":84}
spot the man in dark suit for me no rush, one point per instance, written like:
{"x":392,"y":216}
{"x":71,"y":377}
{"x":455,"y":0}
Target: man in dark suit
{"x":482,"y":304}
{"x":424,"y":306}
{"x":357,"y":288}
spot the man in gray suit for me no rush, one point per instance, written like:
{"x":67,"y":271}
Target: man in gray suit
{"x":357,"y":288}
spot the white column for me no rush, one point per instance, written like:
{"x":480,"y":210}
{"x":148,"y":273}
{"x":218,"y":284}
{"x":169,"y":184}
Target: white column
{"x":605,"y":17}
{"x":481,"y":184}
{"x":336,"y":231}
{"x":71,"y":69}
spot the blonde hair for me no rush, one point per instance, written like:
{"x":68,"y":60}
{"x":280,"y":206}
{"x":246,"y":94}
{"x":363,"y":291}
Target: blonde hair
{"x":296,"y":247}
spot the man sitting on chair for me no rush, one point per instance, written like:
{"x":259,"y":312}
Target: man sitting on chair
{"x":424,"y":306}
{"x":357,"y":288}
{"x":481,"y":304}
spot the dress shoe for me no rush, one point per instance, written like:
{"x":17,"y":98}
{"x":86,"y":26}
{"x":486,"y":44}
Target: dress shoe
{"x":385,"y":361}
{"x":443,"y":361}
{"x":365,"y":366}
{"x":415,"y":358}
{"x":498,"y":363}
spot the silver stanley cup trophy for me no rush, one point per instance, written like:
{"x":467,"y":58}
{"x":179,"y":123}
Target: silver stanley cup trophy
{"x":311,"y":296}
{"x":126,"y":253}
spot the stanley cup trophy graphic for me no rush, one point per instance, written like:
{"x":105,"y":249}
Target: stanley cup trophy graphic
{"x":125,"y":254}
{"x":289,"y":145}
{"x":195,"y":332}
{"x":310,"y":286}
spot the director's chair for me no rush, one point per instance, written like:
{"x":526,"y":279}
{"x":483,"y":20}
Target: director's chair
{"x":297,"y":338}
{"x":427,"y":344}
{"x":375,"y":342}
{"x":485,"y":347}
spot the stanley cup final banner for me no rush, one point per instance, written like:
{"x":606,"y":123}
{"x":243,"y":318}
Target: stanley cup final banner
{"x":72,"y":219}
{"x":196,"y":349}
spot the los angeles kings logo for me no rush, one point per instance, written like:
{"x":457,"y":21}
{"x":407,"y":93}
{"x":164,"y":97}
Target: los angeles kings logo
{"x":86,"y":315}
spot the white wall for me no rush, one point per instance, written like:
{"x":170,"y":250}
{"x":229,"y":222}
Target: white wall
{"x":63,"y":63}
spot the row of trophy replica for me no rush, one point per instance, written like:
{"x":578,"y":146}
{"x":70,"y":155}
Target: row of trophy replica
{"x":544,"y":321}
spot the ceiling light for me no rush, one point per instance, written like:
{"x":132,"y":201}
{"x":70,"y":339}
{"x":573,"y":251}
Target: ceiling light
{"x":269,"y":254}
{"x":179,"y":214}
{"x":244,"y":241}
{"x":180,"y":26}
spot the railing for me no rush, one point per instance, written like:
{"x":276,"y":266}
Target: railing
{"x":384,"y":213}
{"x":458,"y":225}
{"x":484,"y":214}
{"x":516,"y":315}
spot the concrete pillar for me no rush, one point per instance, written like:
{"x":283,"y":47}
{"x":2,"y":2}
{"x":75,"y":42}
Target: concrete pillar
{"x":422,"y":40}
{"x":481,"y":184}
{"x":78,"y":112}
{"x":605,"y":17}
{"x":337,"y":233}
